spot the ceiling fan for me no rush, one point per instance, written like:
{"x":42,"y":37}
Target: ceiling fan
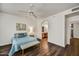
{"x":29,"y":11}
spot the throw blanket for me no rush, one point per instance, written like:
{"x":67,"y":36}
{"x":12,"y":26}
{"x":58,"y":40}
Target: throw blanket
{"x":17,"y":42}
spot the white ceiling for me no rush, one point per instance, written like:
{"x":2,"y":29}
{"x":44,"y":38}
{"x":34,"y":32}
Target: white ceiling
{"x":42,"y":10}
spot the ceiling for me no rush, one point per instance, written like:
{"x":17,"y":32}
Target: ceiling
{"x":41,"y":10}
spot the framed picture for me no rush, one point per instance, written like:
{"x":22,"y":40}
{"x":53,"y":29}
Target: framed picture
{"x":20,"y":27}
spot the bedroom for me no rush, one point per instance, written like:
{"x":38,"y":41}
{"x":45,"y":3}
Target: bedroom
{"x":35,"y":20}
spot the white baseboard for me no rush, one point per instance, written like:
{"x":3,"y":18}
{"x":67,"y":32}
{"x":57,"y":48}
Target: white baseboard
{"x":5,"y":44}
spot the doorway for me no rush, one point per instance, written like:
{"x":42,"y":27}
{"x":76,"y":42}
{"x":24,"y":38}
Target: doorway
{"x":71,"y":27}
{"x":44,"y":34}
{"x":72,"y":32}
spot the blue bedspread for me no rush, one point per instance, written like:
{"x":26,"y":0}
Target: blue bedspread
{"x":16,"y":43}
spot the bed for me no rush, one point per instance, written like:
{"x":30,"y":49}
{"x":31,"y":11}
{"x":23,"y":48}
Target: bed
{"x":17,"y":42}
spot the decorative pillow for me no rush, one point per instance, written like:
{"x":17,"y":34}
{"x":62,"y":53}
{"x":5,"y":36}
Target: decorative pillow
{"x":20,"y":35}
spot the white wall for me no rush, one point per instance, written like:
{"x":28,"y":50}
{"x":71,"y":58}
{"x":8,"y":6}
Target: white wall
{"x":39,"y":29}
{"x":8,"y":26}
{"x":68,"y":31}
{"x":56,"y":29}
{"x":76,"y":30}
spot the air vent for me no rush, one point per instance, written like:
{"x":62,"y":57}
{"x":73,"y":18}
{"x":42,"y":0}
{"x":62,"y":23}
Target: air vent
{"x":75,"y":9}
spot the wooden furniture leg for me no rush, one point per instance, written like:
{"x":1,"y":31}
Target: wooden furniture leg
{"x":22,"y":52}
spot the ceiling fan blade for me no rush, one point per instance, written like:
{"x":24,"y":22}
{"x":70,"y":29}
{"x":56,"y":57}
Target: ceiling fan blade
{"x":34,"y":15}
{"x":23,"y":11}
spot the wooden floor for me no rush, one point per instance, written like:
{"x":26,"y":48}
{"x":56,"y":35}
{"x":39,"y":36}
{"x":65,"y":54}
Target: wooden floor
{"x":53,"y":50}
